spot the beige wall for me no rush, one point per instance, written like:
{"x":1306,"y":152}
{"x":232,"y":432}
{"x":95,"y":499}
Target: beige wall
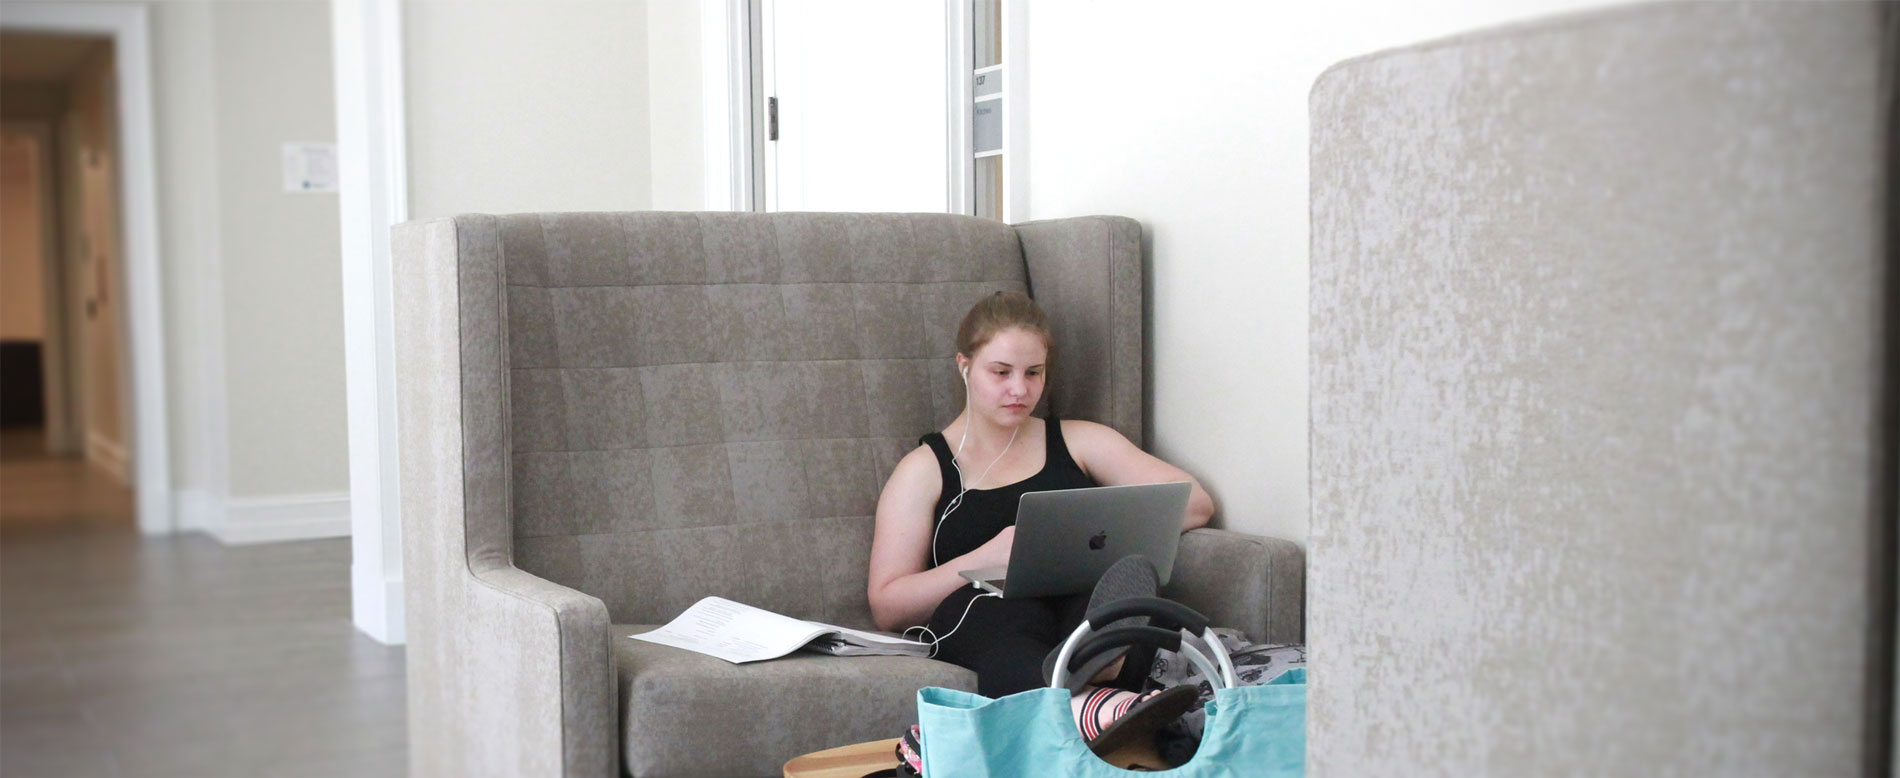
{"x":22,"y":266}
{"x":526,"y":105}
{"x":252,"y":284}
{"x":184,"y":69}
{"x":513,"y":106}
{"x":1203,"y":138}
{"x":283,"y":298}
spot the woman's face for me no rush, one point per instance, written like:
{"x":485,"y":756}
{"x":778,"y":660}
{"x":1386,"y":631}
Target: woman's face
{"x":1006,"y":376}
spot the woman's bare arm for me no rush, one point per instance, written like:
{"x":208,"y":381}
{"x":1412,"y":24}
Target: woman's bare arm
{"x":1112,"y":460}
{"x":903,"y":588}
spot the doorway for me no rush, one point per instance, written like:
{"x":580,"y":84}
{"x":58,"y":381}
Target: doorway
{"x":63,"y":398}
{"x":84,"y":71}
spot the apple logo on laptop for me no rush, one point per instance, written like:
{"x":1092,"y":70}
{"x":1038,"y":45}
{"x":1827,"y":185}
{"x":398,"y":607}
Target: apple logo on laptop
{"x":1099,"y":542}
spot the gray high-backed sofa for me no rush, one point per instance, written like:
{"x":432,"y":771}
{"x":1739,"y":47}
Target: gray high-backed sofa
{"x":605,"y":417}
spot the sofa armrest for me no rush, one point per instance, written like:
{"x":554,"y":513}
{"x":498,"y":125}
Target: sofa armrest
{"x":1253,"y":583}
{"x":547,"y":650}
{"x":526,"y":675}
{"x":508,"y":674}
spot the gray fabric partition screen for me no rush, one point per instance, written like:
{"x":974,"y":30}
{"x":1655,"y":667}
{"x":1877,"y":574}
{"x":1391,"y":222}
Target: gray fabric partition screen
{"x":1600,"y":483}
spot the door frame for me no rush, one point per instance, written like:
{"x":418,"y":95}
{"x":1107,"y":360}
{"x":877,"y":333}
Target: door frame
{"x":373,"y":196}
{"x":142,"y":327}
{"x":728,"y":56}
{"x":960,"y":42}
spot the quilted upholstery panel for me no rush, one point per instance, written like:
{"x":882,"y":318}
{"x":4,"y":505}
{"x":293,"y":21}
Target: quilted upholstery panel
{"x":1595,"y":354}
{"x":727,"y":388}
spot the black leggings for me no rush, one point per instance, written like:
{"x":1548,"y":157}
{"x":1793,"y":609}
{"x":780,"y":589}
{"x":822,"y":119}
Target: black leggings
{"x":1005,"y":641}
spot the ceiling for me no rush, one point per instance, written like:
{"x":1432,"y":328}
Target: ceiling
{"x":38,"y":57}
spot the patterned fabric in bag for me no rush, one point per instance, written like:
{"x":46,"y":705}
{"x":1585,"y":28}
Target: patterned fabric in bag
{"x":1254,"y":664}
{"x":910,"y":754}
{"x":1250,"y":731}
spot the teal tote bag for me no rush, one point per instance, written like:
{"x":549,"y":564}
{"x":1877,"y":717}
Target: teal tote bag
{"x":1250,"y":731}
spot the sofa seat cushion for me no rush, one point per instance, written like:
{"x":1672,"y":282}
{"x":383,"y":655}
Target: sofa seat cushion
{"x":688,"y":714}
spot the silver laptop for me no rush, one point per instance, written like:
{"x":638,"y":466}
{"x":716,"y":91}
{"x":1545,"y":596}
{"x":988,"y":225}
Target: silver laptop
{"x":1065,"y":539}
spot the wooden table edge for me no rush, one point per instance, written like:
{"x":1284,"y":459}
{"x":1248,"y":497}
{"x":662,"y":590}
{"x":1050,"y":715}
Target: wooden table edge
{"x":852,"y":761}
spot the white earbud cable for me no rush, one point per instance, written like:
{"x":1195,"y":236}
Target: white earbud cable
{"x":952,"y":505}
{"x":934,"y":640}
{"x":962,"y":489}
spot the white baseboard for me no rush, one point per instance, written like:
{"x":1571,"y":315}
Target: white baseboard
{"x":380,"y":618}
{"x":199,"y":510}
{"x":295,"y":517}
{"x":106,"y":455}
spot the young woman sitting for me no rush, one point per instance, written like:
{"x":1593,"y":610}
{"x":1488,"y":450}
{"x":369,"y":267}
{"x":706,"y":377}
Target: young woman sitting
{"x":952,"y":507}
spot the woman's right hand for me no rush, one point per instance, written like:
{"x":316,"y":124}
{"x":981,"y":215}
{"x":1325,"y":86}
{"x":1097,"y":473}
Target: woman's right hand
{"x":995,"y":552}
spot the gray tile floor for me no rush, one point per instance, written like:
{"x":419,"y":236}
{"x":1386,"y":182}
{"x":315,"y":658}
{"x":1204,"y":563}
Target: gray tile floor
{"x":126,"y":656}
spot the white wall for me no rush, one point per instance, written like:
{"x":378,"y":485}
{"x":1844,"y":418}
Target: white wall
{"x":675,"y":79}
{"x":1192,"y":118}
{"x":526,"y":105}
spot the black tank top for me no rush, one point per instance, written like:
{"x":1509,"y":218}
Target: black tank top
{"x":985,"y":512}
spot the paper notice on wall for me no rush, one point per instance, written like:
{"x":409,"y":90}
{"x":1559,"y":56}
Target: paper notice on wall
{"x":310,"y":167}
